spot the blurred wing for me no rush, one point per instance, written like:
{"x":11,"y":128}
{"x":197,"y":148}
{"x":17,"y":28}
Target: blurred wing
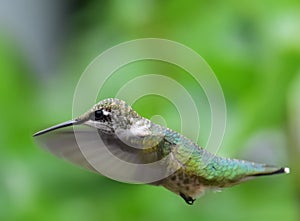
{"x":63,"y":144}
{"x":102,"y":153}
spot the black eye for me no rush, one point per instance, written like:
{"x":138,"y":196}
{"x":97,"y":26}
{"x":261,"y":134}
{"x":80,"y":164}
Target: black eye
{"x":99,"y":114}
{"x":102,"y":115}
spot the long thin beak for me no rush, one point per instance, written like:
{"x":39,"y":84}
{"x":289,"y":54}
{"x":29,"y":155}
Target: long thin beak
{"x":62,"y":125}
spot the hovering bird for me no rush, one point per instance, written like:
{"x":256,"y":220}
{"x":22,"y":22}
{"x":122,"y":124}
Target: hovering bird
{"x":154,"y":154}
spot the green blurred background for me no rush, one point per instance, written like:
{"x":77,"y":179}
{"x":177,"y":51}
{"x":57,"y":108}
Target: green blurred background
{"x":254,"y":49}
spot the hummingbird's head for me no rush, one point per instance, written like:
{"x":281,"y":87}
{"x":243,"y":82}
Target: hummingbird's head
{"x":107,"y":116}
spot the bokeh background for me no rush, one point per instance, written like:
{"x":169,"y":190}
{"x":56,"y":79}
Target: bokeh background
{"x":254,"y":49}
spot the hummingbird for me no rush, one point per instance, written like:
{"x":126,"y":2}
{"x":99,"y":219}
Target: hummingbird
{"x":185,"y":168}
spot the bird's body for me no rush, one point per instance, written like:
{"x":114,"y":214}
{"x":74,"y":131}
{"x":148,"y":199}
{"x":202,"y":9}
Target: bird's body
{"x":198,"y":168}
{"x":186,"y":168}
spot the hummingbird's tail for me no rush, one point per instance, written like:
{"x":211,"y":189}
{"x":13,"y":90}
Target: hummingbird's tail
{"x":271,"y":170}
{"x":252,"y":170}
{"x":235,"y":171}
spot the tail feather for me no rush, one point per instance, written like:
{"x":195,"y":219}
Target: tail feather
{"x":270,"y":170}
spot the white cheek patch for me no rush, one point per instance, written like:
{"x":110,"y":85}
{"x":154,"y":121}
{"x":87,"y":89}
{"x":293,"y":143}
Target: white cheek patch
{"x":94,"y":124}
{"x":106,"y":113}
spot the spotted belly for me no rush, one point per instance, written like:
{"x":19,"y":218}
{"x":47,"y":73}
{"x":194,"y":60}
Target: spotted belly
{"x":189,"y":187}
